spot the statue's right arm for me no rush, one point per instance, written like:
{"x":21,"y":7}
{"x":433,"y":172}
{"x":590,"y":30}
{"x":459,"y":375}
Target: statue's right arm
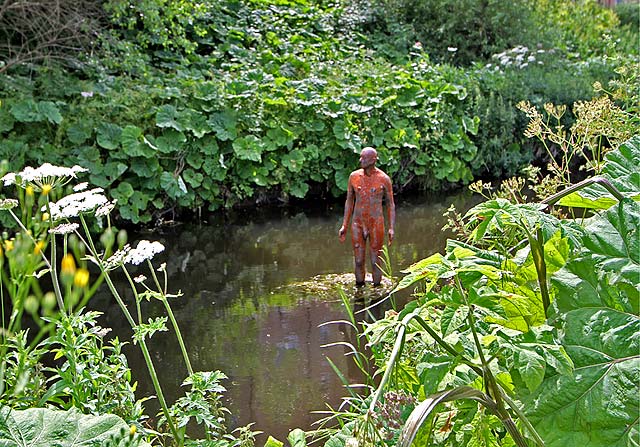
{"x":348,"y":210}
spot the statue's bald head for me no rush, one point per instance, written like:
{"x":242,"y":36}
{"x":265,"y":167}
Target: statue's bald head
{"x":369,"y":151}
{"x":368,"y":157}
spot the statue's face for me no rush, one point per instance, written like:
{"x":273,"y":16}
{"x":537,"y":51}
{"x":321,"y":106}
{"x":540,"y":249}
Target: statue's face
{"x":368,"y":157}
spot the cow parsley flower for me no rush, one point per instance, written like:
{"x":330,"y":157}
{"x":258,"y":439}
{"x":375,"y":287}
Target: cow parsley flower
{"x":75,"y":204}
{"x":140,"y":278}
{"x":65,"y":228}
{"x":105,"y":209}
{"x":7,"y":204}
{"x":144,"y":251}
{"x":44,"y":177}
{"x":80,"y":187}
{"x":118,"y":258}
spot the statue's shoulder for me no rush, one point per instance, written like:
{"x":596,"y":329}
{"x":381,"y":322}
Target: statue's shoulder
{"x":382,"y":174}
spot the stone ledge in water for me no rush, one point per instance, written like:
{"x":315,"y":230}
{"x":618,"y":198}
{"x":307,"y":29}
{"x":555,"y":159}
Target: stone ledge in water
{"x":326,"y":286}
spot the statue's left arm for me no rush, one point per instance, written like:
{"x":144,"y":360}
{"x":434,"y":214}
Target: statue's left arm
{"x":391,"y":208}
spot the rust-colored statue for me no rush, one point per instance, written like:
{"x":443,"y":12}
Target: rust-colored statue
{"x":367,"y":189}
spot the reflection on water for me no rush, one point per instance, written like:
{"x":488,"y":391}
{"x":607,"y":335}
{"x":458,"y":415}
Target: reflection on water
{"x":235,"y":316}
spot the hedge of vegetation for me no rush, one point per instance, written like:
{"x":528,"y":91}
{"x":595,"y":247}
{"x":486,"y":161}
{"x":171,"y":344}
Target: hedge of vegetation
{"x":180,"y":106}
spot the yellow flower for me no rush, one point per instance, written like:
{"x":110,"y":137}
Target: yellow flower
{"x":29,"y":190}
{"x":68,"y":265}
{"x":38,"y":248}
{"x":45,"y":216}
{"x":45,"y":189}
{"x":8,"y":245}
{"x":81,"y":278}
{"x":132,"y":430}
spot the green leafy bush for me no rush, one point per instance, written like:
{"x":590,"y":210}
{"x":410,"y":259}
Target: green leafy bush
{"x":246,"y":102}
{"x":514,"y":320}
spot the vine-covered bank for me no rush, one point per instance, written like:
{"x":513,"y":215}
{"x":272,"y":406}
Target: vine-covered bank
{"x":174,"y":106}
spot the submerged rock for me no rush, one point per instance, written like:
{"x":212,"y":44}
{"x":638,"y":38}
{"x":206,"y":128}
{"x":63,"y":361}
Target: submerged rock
{"x":328,"y":287}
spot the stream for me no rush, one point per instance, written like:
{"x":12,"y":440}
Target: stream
{"x":246,"y":310}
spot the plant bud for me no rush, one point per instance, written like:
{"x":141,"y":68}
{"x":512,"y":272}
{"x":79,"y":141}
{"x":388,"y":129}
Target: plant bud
{"x":107,"y":239}
{"x":31,"y":304}
{"x":38,"y":247}
{"x":81,"y":278}
{"x":49,"y":301}
{"x":68,"y":265}
{"x":122,"y":238}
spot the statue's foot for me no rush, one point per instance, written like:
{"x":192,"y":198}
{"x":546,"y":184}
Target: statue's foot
{"x":376,"y":284}
{"x":359,"y":284}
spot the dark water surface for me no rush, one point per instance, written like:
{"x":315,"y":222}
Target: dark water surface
{"x":236,"y":317}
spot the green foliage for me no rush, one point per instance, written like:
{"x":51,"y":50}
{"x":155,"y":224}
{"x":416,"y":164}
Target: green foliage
{"x":93,"y":376}
{"x":619,"y":170}
{"x":87,"y":373}
{"x":190,"y":153}
{"x":596,"y":313}
{"x":449,"y":31}
{"x":41,"y":427}
{"x":207,"y":105}
{"x":629,"y":14}
{"x":535,"y":319}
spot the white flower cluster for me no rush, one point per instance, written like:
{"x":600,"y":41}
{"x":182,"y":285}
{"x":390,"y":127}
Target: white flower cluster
{"x":105,"y":209}
{"x":143,"y":252}
{"x":47,"y":174}
{"x":117,"y":259}
{"x":64,"y":228}
{"x":75,"y":204}
{"x":140,"y":279}
{"x":518,"y":57}
{"x":80,"y":187}
{"x":7,"y":204}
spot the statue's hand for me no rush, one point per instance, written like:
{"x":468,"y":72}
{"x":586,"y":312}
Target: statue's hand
{"x":391,"y":235}
{"x":342,"y":233}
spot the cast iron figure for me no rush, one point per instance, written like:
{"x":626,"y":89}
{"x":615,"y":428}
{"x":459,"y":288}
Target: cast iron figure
{"x":367,"y":189}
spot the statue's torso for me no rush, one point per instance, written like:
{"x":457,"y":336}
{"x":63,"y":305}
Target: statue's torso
{"x":369,"y":191}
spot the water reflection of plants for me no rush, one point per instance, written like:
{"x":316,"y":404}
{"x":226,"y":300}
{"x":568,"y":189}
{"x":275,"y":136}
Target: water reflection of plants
{"x":535,"y":318}
{"x":86,"y":373}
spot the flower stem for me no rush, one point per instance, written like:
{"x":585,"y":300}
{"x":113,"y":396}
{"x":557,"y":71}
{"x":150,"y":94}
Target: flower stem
{"x":174,"y":323}
{"x":143,"y":344}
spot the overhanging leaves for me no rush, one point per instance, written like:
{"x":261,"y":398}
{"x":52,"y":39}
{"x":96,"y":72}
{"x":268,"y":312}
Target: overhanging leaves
{"x":621,"y":169}
{"x":606,"y":273}
{"x":42,"y":427}
{"x":596,"y":311}
{"x":600,"y":403}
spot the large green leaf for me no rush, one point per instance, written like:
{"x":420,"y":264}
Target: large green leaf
{"x":499,"y":215}
{"x":621,"y":169}
{"x":108,"y":135}
{"x":167,"y":117}
{"x":596,"y":311}
{"x":599,"y":405}
{"x":42,"y":427}
{"x":606,"y":273}
{"x":248,"y":148}
{"x":174,"y":186}
{"x":132,"y":143}
{"x":50,"y":112}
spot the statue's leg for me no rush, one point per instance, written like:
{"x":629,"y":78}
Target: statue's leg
{"x":359,"y":243}
{"x":375,"y":251}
